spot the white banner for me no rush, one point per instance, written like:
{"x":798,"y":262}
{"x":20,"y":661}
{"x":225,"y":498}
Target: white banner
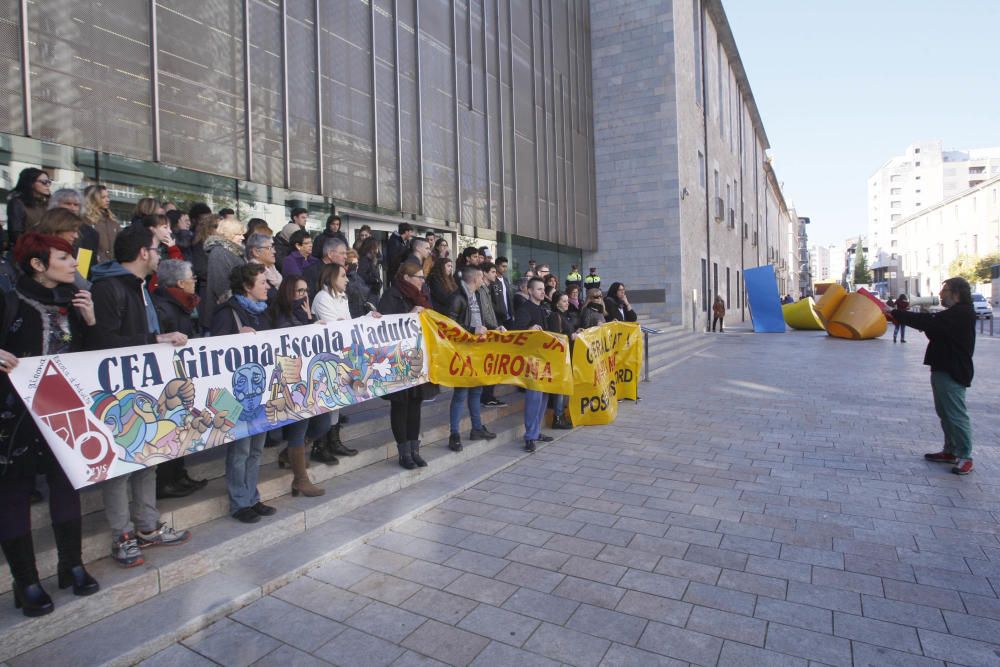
{"x":111,"y":412}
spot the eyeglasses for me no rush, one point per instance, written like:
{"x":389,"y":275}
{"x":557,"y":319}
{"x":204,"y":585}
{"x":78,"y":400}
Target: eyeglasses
{"x":44,"y":181}
{"x":420,"y":277}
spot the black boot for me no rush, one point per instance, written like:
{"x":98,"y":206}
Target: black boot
{"x":29,"y":596}
{"x":415,"y":453}
{"x":71,"y":571}
{"x":335,"y":445}
{"x":405,"y":456}
{"x":320,"y":454}
{"x":561,"y":422}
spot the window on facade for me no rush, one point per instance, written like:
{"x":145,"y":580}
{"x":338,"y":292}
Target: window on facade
{"x":895,"y":178}
{"x":916,"y":164}
{"x":916,"y":150}
{"x":896,"y":191}
{"x":718,"y":74}
{"x":704,"y":286}
{"x":716,"y":183}
{"x":977,"y":170}
{"x":896,"y":204}
{"x":701,"y":169}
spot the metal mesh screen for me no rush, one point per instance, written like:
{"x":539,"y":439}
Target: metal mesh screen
{"x":201,"y":85}
{"x":385,"y":99}
{"x":438,"y":120}
{"x":347,"y":100}
{"x":90,"y":72}
{"x":303,"y":123}
{"x":11,"y":96}
{"x":409,"y":128}
{"x":267,"y":115}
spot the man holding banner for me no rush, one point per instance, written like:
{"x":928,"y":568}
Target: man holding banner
{"x":468,"y":307}
{"x":531,"y":316}
{"x":126,"y":317}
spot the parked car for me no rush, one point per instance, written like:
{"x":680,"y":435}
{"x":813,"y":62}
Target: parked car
{"x":982,"y":307}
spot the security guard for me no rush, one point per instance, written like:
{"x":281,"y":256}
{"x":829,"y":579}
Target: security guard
{"x":593,"y":280}
{"x":574,"y":277}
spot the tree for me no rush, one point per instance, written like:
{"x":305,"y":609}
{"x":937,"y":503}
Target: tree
{"x":862,"y":276}
{"x":973,"y":269}
{"x":983,"y":267}
{"x":964,"y":266}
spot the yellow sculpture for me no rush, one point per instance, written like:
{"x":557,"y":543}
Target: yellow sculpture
{"x":802,"y":315}
{"x":829,"y":302}
{"x":857,"y":318}
{"x":854,"y":315}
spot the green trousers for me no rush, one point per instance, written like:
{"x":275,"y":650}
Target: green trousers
{"x":949,"y":403}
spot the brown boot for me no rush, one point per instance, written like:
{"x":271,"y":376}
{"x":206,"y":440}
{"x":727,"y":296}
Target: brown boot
{"x":300,"y":479}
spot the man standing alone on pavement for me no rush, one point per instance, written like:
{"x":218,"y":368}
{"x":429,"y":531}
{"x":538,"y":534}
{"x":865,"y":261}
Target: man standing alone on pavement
{"x":952,"y":339}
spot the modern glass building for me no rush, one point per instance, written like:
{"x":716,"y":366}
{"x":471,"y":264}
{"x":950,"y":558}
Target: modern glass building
{"x":469,"y":117}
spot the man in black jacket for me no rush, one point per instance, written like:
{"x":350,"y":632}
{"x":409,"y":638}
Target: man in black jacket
{"x":397,"y":248}
{"x":469,"y":307}
{"x":951,"y":341}
{"x":332,"y":231}
{"x":531,"y":315}
{"x":126,"y":317}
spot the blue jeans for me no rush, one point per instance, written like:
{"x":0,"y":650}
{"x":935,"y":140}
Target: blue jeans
{"x":468,"y":395}
{"x":312,"y":428}
{"x":242,"y":471}
{"x":900,"y":330}
{"x":534,"y":409}
{"x":559,"y":404}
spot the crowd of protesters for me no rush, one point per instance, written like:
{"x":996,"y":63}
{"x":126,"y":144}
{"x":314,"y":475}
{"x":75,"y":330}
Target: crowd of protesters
{"x":167,"y":276}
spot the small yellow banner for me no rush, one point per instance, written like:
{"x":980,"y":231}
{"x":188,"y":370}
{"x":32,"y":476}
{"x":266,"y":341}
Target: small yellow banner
{"x":536,"y":360}
{"x":606,"y":364}
{"x":83,"y":258}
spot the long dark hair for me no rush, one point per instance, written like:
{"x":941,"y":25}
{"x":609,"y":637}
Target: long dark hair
{"x":961,"y":288}
{"x":439,"y":273}
{"x":369,"y":248}
{"x":284,"y":303}
{"x":613,"y":292}
{"x":25,"y":186}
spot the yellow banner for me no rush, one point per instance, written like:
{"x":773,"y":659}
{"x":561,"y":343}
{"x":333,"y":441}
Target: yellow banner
{"x":536,"y":360}
{"x":606,"y":363}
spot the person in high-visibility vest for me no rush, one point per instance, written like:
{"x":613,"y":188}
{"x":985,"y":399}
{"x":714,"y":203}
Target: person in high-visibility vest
{"x":574,"y":277}
{"x":592,"y":280}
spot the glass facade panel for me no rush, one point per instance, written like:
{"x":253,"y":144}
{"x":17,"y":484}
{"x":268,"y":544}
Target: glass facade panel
{"x":385,"y":99}
{"x":267,"y":98}
{"x":438,"y":112}
{"x":202,"y":91}
{"x":345,"y":29}
{"x":303,"y":122}
{"x":90,"y":74}
{"x":409,"y":113}
{"x":11,"y":97}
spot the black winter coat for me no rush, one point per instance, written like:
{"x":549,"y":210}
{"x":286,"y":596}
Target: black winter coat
{"x":120,"y":309}
{"x":224,"y":322}
{"x":173,"y":315}
{"x":23,"y":451}
{"x":951,"y":336}
{"x":617,"y":312}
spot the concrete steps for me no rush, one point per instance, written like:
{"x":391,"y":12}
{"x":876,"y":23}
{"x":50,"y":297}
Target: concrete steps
{"x":218,"y":540}
{"x":144,"y":626}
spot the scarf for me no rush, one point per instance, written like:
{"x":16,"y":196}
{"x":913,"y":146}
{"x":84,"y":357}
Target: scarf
{"x":575,"y":303}
{"x":249,"y":305}
{"x":187,"y":301}
{"x":412,"y":293}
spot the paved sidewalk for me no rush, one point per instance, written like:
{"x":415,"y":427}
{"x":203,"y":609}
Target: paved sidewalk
{"x":765,"y":504}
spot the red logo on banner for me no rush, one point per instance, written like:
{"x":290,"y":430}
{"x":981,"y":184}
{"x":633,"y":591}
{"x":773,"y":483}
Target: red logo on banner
{"x":61,"y":408}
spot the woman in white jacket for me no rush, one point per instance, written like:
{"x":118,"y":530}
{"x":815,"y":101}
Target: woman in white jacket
{"x":330,"y":304}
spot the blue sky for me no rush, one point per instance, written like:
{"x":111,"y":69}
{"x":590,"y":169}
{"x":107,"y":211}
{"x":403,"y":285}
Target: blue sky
{"x":843,"y":85}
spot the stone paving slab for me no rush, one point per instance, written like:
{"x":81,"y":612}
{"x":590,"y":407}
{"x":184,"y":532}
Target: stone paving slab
{"x":766,"y":503}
